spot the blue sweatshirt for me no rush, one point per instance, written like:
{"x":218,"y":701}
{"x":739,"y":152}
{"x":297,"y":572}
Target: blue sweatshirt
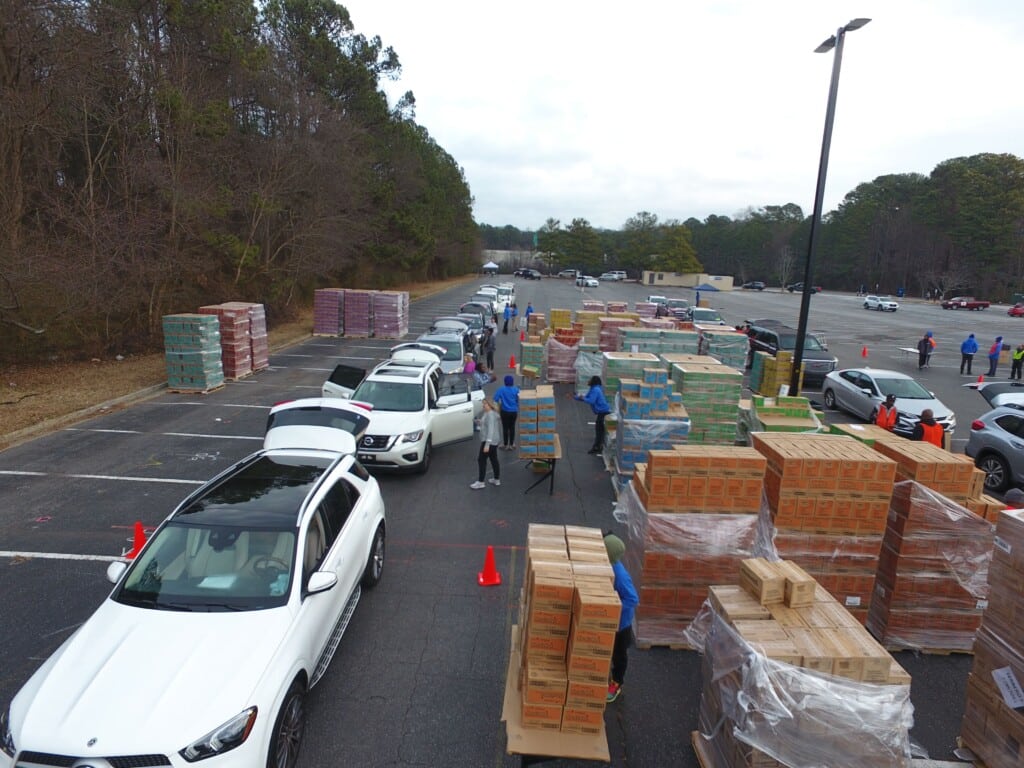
{"x":970,"y":346}
{"x":596,"y":399}
{"x":507,"y":398}
{"x":627,"y":594}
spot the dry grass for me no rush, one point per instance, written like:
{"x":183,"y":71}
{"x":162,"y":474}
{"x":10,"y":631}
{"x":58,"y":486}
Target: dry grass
{"x":34,"y":398}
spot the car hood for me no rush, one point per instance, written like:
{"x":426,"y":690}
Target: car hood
{"x":395,"y":422}
{"x":138,"y":680}
{"x":913,"y":408}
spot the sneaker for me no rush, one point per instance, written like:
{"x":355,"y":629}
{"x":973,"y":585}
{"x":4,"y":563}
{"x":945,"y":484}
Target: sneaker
{"x":494,"y":481}
{"x":477,"y":485}
{"x":594,"y":450}
{"x":614,"y":689}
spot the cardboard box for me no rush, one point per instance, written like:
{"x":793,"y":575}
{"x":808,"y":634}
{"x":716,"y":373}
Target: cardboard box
{"x":547,"y":716}
{"x":733,"y":603}
{"x":596,"y":609}
{"x":762,"y":580}
{"x":580,"y":720}
{"x":544,"y":682}
{"x":800,"y":586}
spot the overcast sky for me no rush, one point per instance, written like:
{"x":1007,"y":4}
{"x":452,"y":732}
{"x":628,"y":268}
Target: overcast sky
{"x":567,"y":109}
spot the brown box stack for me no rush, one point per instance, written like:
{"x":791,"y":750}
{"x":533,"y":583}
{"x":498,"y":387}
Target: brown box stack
{"x":829,"y":499}
{"x":235,"y":344}
{"x":952,"y":475}
{"x":703,"y":478}
{"x":992,"y":728}
{"x":932,"y":573}
{"x":569,"y":613}
{"x":810,"y":630}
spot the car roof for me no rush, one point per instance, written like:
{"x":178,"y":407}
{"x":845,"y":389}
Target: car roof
{"x":878,"y":373}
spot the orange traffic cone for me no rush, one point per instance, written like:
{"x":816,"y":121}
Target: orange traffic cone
{"x":489,"y":576}
{"x":512,"y":362}
{"x":522,"y":335}
{"x":138,"y":541}
{"x":864,"y":352}
{"x":981,"y":378}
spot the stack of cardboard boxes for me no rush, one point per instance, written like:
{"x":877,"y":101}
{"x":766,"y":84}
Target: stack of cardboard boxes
{"x":658,"y":341}
{"x":651,"y":416}
{"x":244,"y":343}
{"x":768,"y":637}
{"x":932,"y":584}
{"x":725,"y":344}
{"x":783,"y":414}
{"x":569,"y":613}
{"x":710,"y":394}
{"x":531,"y":358}
{"x":769,"y":373}
{"x":590,"y":318}
{"x":329,"y":312}
{"x":608,"y":330}
{"x":538,"y":427}
{"x":561,"y":350}
{"x":623,"y":365}
{"x":993,"y":725}
{"x":618,"y":308}
{"x":390,"y":314}
{"x":192,"y":353}
{"x":829,"y":500}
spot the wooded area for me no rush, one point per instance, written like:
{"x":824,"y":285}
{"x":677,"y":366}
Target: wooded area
{"x":960,"y":229}
{"x":156,"y":156}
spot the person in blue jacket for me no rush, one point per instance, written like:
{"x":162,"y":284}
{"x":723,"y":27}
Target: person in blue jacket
{"x":968,"y":349}
{"x":623,"y":584}
{"x":507,"y":315}
{"x":598,"y":404}
{"x":507,"y":398}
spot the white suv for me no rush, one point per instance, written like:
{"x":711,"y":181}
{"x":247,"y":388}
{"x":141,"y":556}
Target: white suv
{"x":881,"y":303}
{"x":415,"y":406}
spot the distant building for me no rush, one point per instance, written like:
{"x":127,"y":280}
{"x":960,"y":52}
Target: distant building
{"x":687,"y":280}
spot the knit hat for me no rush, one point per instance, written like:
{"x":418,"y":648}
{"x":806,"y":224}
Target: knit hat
{"x":999,"y":338}
{"x":1015,"y":497}
{"x":615,"y":546}
{"x":929,"y":334}
{"x":509,"y":381}
{"x":971,"y":336}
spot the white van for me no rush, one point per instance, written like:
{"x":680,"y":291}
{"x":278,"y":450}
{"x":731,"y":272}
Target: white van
{"x":506,"y":296}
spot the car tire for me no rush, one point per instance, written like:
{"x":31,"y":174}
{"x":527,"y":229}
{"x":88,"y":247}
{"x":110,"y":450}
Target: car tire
{"x":286,"y":738}
{"x":424,"y":465}
{"x":830,"y":399}
{"x":375,"y":562}
{"x":997,"y":471}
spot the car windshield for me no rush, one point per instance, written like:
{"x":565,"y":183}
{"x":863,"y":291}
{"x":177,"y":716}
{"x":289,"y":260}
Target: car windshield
{"x":211,"y":568}
{"x":678,"y":303}
{"x":788,"y":341}
{"x":907,"y":389}
{"x":391,"y":395}
{"x":705,"y":315}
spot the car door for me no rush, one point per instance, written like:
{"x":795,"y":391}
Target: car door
{"x":318,"y":612}
{"x":343,"y":381}
{"x":450,"y":415}
{"x":844,"y":392}
{"x":863,"y":404}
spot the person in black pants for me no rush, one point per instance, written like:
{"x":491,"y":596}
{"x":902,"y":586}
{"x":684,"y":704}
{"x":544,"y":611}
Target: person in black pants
{"x":599,"y":405}
{"x":507,"y":398}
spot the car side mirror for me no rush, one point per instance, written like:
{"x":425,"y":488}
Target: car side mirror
{"x":321,"y":581}
{"x":115,"y":571}
{"x":867,"y":391}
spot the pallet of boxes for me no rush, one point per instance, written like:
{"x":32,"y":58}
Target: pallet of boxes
{"x":790,"y":678}
{"x":561,"y":649}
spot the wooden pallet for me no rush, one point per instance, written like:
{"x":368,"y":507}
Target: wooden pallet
{"x":188,"y":391}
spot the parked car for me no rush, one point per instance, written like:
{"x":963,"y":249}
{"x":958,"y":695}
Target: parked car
{"x":243,"y":594}
{"x":860,"y":390}
{"x":415,"y":406}
{"x":613,"y":276}
{"x":799,"y":287}
{"x":965,"y":302}
{"x":754,"y":285}
{"x":587,"y":281}
{"x":772,"y":336}
{"x":315,"y":422}
{"x":656,"y":299}
{"x":881,"y":303}
{"x":571,"y":274}
{"x":1017,"y":310}
{"x":996,"y":441}
{"x":677,"y":308}
{"x":531,"y":274}
{"x":704,"y":316}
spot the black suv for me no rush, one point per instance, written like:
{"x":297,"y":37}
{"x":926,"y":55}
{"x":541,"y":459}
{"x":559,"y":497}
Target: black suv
{"x":818,"y":362}
{"x":754,"y":285}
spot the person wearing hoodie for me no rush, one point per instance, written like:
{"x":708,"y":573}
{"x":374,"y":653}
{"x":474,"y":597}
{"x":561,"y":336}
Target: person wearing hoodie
{"x":968,"y":349}
{"x":599,"y":405}
{"x":623,"y":585}
{"x":928,"y":430}
{"x":507,"y":398}
{"x":993,"y":355}
{"x":490,"y":437}
{"x":924,"y":350}
{"x":1017,"y":362}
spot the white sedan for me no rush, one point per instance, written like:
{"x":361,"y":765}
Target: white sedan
{"x":860,"y":391}
{"x":206,"y":648}
{"x":881,"y":303}
{"x":587,"y":281}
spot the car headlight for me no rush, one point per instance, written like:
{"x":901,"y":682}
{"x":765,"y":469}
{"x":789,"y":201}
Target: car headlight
{"x":6,"y":737}
{"x":222,"y":739}
{"x":412,"y":437}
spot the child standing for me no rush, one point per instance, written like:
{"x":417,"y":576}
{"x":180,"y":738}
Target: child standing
{"x":616,"y":548}
{"x":490,"y":437}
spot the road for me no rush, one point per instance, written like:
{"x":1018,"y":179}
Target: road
{"x":419,"y":676}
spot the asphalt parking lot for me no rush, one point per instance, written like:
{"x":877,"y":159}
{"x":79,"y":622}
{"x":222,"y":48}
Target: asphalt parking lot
{"x":419,"y":676}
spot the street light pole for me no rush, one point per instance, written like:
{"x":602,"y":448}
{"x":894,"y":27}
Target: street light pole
{"x":835,"y":42}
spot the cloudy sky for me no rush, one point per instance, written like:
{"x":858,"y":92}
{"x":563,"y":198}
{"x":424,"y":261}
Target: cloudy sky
{"x":567,"y":109}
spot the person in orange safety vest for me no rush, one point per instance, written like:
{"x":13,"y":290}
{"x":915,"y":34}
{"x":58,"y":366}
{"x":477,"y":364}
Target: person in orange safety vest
{"x":886,"y":416}
{"x":927,"y":430}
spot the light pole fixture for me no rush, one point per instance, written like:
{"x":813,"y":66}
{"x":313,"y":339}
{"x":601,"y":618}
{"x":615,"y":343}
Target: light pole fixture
{"x":834,"y":42}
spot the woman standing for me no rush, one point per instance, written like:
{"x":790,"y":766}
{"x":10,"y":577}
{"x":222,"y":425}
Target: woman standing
{"x":599,"y":405}
{"x":507,"y":398}
{"x":490,"y":434}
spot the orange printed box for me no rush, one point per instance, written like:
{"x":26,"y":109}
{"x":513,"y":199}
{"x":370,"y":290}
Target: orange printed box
{"x":597,"y":610}
{"x":547,"y":716}
{"x":576,"y":720}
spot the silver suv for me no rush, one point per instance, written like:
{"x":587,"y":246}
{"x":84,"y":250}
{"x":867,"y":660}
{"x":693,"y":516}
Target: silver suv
{"x":997,"y":437}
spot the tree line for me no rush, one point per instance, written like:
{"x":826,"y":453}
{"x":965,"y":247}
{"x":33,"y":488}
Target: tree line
{"x":156,"y":156}
{"x":958,"y":230}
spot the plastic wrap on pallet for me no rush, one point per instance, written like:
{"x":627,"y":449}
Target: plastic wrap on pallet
{"x":561,"y":361}
{"x":674,"y":558}
{"x":799,"y":717}
{"x":635,"y":437}
{"x":587,"y":364}
{"x":932,"y":582}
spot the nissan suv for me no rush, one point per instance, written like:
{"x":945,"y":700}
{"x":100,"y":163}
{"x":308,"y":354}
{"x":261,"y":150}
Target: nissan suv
{"x":818,"y":362}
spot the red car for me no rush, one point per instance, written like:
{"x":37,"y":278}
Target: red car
{"x":1017,"y":310}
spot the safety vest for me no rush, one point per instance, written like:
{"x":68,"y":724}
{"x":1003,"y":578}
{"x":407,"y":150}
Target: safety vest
{"x":886,"y":417}
{"x":932,"y":433}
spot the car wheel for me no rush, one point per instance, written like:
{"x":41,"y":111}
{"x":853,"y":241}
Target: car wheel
{"x":830,"y":399}
{"x":286,"y":738}
{"x":375,"y":563}
{"x":424,"y":464}
{"x":997,"y":471}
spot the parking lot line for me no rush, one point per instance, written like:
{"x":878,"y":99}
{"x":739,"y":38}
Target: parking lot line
{"x":60,"y":556}
{"x":25,"y":473}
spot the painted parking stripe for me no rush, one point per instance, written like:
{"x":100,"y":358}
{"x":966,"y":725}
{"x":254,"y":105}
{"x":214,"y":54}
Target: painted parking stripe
{"x":60,"y":556}
{"x":126,"y":478}
{"x":165,"y":434}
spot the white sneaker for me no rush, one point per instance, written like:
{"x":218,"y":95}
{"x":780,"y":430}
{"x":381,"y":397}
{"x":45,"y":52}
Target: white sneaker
{"x":494,"y":481}
{"x":477,"y":485}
